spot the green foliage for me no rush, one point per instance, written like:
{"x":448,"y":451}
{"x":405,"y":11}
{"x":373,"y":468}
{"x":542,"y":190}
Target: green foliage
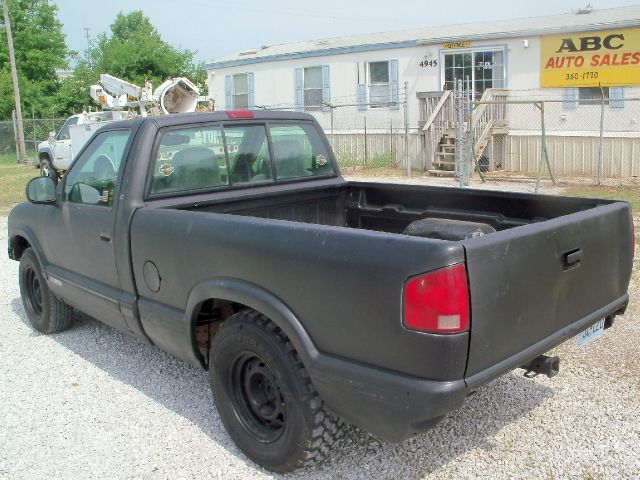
{"x":40,"y":49}
{"x":133,"y":50}
{"x":136,"y":52}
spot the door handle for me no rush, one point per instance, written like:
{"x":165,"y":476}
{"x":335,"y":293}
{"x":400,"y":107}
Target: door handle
{"x":572,"y":259}
{"x":105,"y":235}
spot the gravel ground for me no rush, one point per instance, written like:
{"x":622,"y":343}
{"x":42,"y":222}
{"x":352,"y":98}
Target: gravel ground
{"x":92,"y":402}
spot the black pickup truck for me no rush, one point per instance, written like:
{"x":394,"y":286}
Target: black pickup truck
{"x":230,"y":240}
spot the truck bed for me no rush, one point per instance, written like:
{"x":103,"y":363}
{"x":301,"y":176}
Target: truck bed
{"x":391,"y":208}
{"x":525,"y":299}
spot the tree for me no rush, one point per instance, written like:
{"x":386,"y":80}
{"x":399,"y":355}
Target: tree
{"x":136,"y":52}
{"x":40,"y":50}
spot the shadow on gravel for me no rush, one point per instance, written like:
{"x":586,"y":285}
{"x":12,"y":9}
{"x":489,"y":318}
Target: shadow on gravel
{"x":185,"y":390}
{"x":174,"y":384}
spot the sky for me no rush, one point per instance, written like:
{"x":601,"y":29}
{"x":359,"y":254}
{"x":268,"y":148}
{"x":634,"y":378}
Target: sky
{"x":216,"y":29}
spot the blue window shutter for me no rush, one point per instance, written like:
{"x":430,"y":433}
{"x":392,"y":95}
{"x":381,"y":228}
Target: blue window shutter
{"x":299,"y":92}
{"x":393,"y":85}
{"x":228,"y":96}
{"x":362,"y":96}
{"x":570,"y":98}
{"x":326,"y":87}
{"x":251,"y":96}
{"x":616,"y":97}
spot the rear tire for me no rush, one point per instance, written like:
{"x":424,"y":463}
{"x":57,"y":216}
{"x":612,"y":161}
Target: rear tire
{"x":264,"y":396}
{"x":47,"y":169}
{"x":45,"y":311}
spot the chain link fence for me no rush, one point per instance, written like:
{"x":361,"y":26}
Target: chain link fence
{"x":533,"y":133}
{"x":36,"y":130}
{"x":505,"y":134}
{"x":367,"y":136}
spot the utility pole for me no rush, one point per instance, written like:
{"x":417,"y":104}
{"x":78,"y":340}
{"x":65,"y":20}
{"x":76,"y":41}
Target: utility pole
{"x":14,"y":77}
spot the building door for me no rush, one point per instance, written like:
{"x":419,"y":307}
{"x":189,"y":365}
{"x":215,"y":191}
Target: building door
{"x":478,"y":70}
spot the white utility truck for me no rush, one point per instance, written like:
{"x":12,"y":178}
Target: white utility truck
{"x":119,"y":100}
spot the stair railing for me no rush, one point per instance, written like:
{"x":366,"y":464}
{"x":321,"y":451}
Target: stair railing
{"x":488,"y":111}
{"x":437,"y":113}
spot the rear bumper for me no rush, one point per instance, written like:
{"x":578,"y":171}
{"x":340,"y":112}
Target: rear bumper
{"x":616,"y":307}
{"x":393,"y":406}
{"x":385,"y":403}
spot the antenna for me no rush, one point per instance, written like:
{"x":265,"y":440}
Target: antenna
{"x":86,"y":34}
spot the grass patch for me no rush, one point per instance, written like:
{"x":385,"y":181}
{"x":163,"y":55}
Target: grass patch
{"x":629,"y":194}
{"x":13,"y":179}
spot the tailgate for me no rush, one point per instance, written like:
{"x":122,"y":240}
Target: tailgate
{"x":529,"y":283}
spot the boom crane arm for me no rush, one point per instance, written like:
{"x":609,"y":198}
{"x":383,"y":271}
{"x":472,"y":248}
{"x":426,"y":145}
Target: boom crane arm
{"x":175,"y":95}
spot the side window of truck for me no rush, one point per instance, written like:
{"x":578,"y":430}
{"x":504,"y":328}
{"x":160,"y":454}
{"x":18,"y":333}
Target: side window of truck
{"x":92,"y":178}
{"x":189,"y":159}
{"x":299,"y":151}
{"x":64,"y":133}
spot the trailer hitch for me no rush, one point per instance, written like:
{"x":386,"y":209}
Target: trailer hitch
{"x":549,"y":366}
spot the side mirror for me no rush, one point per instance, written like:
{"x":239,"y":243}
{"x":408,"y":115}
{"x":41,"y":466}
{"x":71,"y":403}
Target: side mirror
{"x":41,"y":190}
{"x":52,"y":137}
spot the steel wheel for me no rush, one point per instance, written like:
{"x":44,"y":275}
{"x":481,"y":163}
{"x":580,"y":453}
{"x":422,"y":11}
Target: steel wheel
{"x":44,"y":169}
{"x":33,"y":295}
{"x":258,"y":397}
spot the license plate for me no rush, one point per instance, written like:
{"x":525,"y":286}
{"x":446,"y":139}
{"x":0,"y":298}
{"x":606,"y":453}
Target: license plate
{"x":591,"y":333}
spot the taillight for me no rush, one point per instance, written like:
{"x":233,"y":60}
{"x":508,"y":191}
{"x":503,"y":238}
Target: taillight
{"x":438,"y":301}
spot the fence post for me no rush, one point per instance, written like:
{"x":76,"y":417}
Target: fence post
{"x":366,"y":152}
{"x":35,"y":137}
{"x":601,"y":147}
{"x":332,"y":108}
{"x":405,"y":104}
{"x":392,"y":145}
{"x":461,"y":171}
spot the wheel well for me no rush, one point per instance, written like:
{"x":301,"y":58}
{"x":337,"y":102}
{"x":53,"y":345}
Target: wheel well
{"x":17,"y":247}
{"x":207,"y":318}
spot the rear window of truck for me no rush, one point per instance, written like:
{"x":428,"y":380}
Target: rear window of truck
{"x":198,"y":158}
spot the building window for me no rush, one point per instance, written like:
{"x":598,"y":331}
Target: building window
{"x":313,"y":88}
{"x":593,"y":95}
{"x":478,"y":70}
{"x":379,"y":84}
{"x":240,"y":91}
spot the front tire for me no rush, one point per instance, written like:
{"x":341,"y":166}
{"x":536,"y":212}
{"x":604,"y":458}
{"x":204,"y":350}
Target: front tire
{"x":264,"y":396}
{"x":45,"y":311}
{"x":47,"y":169}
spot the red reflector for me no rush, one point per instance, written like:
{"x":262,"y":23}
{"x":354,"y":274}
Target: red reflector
{"x":235,"y":114}
{"x":438,"y":302}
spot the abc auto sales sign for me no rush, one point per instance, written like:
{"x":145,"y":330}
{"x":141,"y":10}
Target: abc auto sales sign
{"x":608,"y":58}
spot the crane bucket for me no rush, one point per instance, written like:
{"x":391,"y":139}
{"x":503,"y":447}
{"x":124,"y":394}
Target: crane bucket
{"x":177,"y":95}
